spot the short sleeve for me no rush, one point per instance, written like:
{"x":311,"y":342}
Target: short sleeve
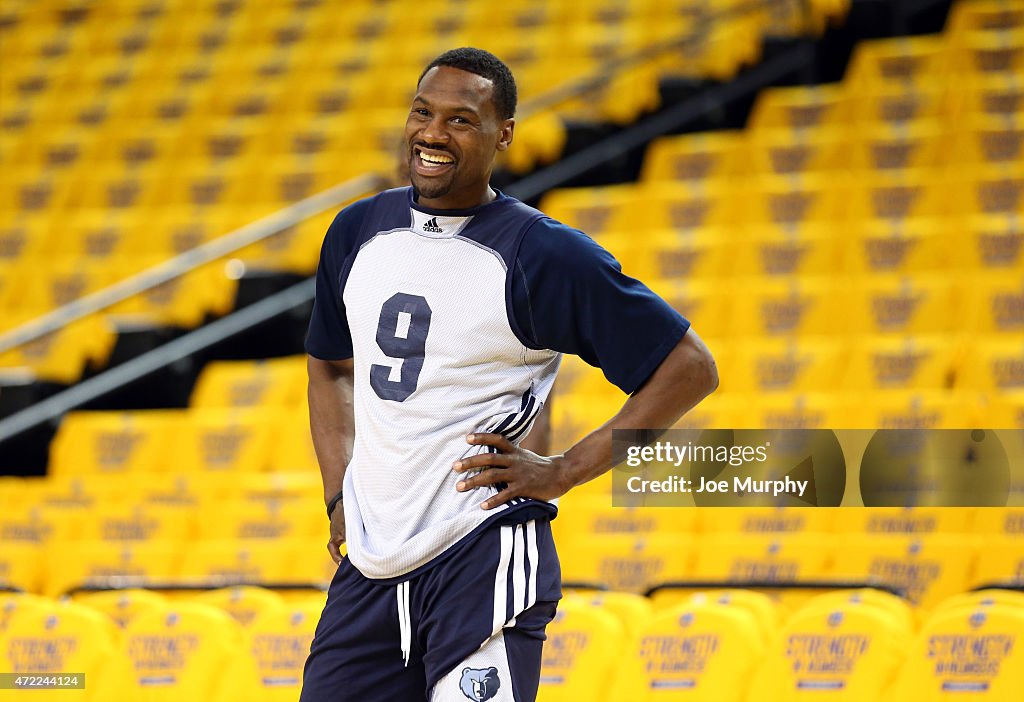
{"x":570,"y":295}
{"x":328,"y":337}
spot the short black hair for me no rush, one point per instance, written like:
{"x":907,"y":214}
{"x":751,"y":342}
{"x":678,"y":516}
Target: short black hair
{"x":487,"y":65}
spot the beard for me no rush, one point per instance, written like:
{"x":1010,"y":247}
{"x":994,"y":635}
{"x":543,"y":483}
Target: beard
{"x":430,"y":188}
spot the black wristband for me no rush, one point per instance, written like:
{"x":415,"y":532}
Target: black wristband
{"x":333,"y":503}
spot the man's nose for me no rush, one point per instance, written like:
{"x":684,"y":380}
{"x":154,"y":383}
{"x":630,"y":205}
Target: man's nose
{"x":435,"y":131}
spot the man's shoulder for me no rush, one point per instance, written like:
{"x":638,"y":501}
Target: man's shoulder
{"x":549,"y":238}
{"x":348,"y":223}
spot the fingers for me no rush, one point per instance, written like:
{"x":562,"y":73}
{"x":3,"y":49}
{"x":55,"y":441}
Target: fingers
{"x":333,"y":547}
{"x":499,"y":499}
{"x":496,"y":440}
{"x":481,"y":460}
{"x":482,"y":479}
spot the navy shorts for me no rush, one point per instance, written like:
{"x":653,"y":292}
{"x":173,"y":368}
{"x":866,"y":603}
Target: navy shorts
{"x":469,"y":626}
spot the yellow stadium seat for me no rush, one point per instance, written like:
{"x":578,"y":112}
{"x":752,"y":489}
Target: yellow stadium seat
{"x":59,"y":283}
{"x":993,"y":95}
{"x":993,"y":243}
{"x":1008,"y":521}
{"x":266,"y":487}
{"x":786,"y":410}
{"x":997,"y":364}
{"x":908,"y":409}
{"x":701,"y":157}
{"x":113,"y":442}
{"x":540,"y":139}
{"x":985,"y":16}
{"x":965,"y":653}
{"x":122,"y":606}
{"x":765,"y":520}
{"x":988,"y":53}
{"x":697,"y":651}
{"x":687,"y":255}
{"x":631,"y":610}
{"x":184,"y":301}
{"x":995,"y":304}
{"x":907,"y":246}
{"x":292,"y":250}
{"x":272,"y":382}
{"x":787,"y":201}
{"x":681,"y":206}
{"x":905,"y":62}
{"x":581,"y":653}
{"x":244,"y":561}
{"x":776,"y":306}
{"x":244,"y":603}
{"x":11,"y":601}
{"x":63,"y":355}
{"x":806,"y":250}
{"x":989,"y":189}
{"x":700,"y":301}
{"x":881,"y":147}
{"x":911,"y":362}
{"x":588,"y":209}
{"x":100,"y":564}
{"x":898,"y":304}
{"x":896,"y":195}
{"x":624,"y":562}
{"x":802,"y":107}
{"x":312,"y":569}
{"x":786,"y":365}
{"x":293,"y":451}
{"x":775,"y":558}
{"x":1000,"y":562}
{"x":64,"y":639}
{"x":33,"y":524}
{"x":214,"y":440}
{"x":133,"y":522}
{"x":905,"y":521}
{"x":898,"y":108}
{"x":264,"y":519}
{"x":595,"y":516}
{"x":715,"y":412}
{"x":896,"y":609}
{"x":833,"y":649}
{"x":279,"y":640}
{"x":979,"y":599}
{"x":764,"y":611}
{"x":791,"y":153}
{"x":188,"y":651}
{"x":21,"y":566}
{"x":987,"y":141}
{"x":928,"y":568}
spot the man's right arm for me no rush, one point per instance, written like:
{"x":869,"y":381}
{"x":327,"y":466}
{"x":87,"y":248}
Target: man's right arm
{"x":332,"y":424}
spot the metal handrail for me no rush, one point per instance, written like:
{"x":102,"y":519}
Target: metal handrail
{"x":190,"y":260}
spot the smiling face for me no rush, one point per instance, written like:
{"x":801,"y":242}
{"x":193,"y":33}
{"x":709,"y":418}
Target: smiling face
{"x":452,"y":134}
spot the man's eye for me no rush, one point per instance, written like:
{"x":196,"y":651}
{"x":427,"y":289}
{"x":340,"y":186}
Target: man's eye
{"x":420,"y":111}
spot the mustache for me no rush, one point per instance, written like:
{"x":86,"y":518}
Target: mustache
{"x":432,"y":147}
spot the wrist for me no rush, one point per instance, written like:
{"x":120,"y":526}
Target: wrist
{"x":333,"y":503}
{"x":569,"y":472}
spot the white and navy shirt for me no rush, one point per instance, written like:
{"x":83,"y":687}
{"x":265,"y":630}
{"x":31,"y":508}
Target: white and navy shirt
{"x":456,"y":322}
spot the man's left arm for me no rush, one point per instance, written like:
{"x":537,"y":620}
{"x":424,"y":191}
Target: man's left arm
{"x":686,"y":376}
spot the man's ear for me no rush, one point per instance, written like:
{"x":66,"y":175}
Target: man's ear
{"x":505,"y":135}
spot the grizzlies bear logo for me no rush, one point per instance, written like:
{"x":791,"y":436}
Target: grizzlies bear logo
{"x":479,"y":685}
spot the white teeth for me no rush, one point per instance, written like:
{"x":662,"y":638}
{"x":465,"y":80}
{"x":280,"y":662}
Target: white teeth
{"x":436,"y":159}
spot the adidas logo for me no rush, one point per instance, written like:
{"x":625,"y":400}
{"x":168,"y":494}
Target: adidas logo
{"x":431,"y":226}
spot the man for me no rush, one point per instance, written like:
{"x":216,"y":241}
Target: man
{"x":441,"y":314}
